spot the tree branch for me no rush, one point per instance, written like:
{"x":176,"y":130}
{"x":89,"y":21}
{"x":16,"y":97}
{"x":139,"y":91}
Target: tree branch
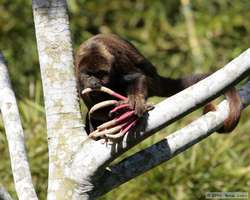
{"x":245,"y":94}
{"x":14,"y":132}
{"x":4,"y":195}
{"x":169,"y":147}
{"x":85,"y":165}
{"x":64,"y":124}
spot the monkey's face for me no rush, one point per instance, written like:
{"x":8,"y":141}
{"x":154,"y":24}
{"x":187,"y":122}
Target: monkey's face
{"x":94,"y":78}
{"x":93,"y":70}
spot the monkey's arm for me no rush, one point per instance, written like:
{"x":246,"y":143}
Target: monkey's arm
{"x":137,"y":95}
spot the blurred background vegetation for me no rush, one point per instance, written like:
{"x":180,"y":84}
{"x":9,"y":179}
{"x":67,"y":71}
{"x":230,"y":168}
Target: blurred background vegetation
{"x":179,"y":37}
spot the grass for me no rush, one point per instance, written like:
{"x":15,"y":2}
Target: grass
{"x":219,"y":163}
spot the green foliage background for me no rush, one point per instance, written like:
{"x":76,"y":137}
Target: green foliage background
{"x":158,"y":28}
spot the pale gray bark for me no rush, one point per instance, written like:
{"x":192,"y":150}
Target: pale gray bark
{"x":244,"y":93}
{"x":15,"y":137}
{"x":4,"y":195}
{"x":64,"y":124}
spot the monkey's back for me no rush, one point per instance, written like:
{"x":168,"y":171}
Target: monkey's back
{"x":124,"y":55}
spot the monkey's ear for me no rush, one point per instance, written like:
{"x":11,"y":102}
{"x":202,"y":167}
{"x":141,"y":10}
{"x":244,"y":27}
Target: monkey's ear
{"x":131,"y":76}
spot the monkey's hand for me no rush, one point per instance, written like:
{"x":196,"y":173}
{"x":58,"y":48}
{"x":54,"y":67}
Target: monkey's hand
{"x":123,"y":117}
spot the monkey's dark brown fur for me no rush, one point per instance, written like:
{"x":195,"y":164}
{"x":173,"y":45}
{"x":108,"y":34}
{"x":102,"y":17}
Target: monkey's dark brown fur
{"x":111,"y":61}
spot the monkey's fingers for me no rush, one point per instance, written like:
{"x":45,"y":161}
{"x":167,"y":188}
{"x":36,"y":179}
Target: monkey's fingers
{"x":102,"y":105}
{"x":113,"y":93}
{"x":106,"y":125}
{"x":125,"y":116}
{"x":106,"y":90}
{"x":122,"y":132}
{"x":112,"y":130}
{"x":117,"y":120}
{"x":115,"y":136}
{"x":130,"y":125}
{"x":150,"y":107}
{"x":87,"y":90}
{"x":119,"y":107}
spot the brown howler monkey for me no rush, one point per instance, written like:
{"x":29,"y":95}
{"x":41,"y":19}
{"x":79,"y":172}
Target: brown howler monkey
{"x":111,"y":61}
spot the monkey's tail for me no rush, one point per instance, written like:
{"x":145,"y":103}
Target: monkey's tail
{"x":235,"y":106}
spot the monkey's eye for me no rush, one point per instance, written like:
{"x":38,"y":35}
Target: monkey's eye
{"x":84,"y":76}
{"x":100,"y":74}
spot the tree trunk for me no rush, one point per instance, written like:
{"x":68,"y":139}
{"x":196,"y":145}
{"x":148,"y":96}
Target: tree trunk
{"x":64,"y":124}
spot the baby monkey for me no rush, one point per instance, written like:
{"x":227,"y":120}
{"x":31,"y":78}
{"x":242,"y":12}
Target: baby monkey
{"x":110,"y":61}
